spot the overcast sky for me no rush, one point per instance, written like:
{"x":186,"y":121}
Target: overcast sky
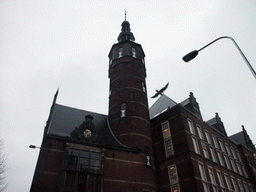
{"x":46,"y":45}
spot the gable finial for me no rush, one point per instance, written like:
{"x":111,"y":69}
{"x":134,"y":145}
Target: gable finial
{"x":125,"y":14}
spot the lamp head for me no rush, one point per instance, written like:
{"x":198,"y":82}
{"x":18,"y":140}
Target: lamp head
{"x":32,"y":146}
{"x":190,"y":56}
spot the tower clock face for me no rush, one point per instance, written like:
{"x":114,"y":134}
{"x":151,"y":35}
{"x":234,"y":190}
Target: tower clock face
{"x":87,"y":133}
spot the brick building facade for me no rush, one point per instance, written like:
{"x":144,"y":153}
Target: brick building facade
{"x":165,"y":148}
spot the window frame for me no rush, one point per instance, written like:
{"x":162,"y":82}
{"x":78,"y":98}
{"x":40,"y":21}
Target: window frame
{"x":220,"y":178}
{"x":234,"y":184}
{"x":227,"y":149}
{"x":120,"y":52}
{"x":134,"y":52}
{"x":166,"y":127}
{"x":195,"y":144}
{"x":191,"y":127}
{"x":220,"y":158}
{"x":240,"y":185}
{"x":233,"y":165}
{"x":215,"y":142}
{"x":221,"y":146}
{"x":171,"y":173}
{"x":200,"y":133}
{"x":169,"y":151}
{"x":207,"y":135}
{"x":211,"y":174}
{"x":123,"y":110}
{"x":214,"y":159}
{"x":227,"y":162}
{"x":227,"y":181}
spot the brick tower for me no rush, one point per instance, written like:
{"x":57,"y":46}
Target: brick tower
{"x":128,"y":104}
{"x":129,"y":118}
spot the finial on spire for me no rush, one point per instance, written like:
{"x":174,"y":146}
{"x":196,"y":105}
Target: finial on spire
{"x":125,"y":14}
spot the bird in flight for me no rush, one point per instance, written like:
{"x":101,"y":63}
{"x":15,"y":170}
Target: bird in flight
{"x":160,"y":92}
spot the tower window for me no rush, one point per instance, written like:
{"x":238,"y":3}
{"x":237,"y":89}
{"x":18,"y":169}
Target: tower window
{"x":143,"y":61}
{"x":143,"y":87}
{"x":133,"y":52}
{"x":123,"y":110}
{"x":120,"y":52}
{"x":148,"y":157}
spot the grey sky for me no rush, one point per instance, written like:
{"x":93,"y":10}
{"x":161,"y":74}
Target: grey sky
{"x":45,"y":45}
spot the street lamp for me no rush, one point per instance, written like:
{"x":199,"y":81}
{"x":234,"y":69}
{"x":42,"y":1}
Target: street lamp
{"x":194,"y":53}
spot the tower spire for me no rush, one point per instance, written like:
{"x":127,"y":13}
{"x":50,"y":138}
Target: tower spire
{"x":125,"y":33}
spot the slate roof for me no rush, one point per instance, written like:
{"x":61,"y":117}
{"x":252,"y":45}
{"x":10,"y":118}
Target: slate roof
{"x":160,"y":106}
{"x":64,"y":120}
{"x":238,"y":138}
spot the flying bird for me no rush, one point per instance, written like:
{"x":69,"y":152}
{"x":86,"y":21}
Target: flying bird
{"x":160,"y":92}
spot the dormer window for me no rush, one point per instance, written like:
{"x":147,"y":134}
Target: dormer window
{"x":120,"y":52}
{"x":133,"y":52}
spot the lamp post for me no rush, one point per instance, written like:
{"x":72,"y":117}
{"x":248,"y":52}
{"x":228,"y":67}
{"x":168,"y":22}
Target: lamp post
{"x":194,"y":53}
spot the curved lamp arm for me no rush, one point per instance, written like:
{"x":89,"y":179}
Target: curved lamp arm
{"x":194,"y":53}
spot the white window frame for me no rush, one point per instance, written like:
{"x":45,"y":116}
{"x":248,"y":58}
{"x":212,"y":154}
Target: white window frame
{"x":220,"y":178}
{"x":215,"y":188}
{"x":203,"y":176}
{"x":221,"y":146}
{"x":165,"y":126}
{"x":205,"y":186}
{"x":191,"y":127}
{"x":220,"y":158}
{"x":120,"y":52}
{"x":133,"y":52}
{"x":234,"y":184}
{"x":215,"y":141}
{"x":227,"y":162}
{"x":211,"y":174}
{"x":143,"y":87}
{"x":233,"y":152}
{"x":173,"y":174}
{"x":238,"y":156}
{"x":240,"y":185}
{"x":168,"y":146}
{"x":227,"y":181}
{"x":207,"y":134}
{"x":213,"y":154}
{"x":227,"y":149}
{"x":177,"y":186}
{"x":233,"y":164}
{"x":195,"y":144}
{"x":244,"y":170}
{"x":204,"y":149}
{"x":239,"y":168}
{"x":250,"y":187}
{"x":245,"y":186}
{"x":123,"y":110}
{"x":200,"y":133}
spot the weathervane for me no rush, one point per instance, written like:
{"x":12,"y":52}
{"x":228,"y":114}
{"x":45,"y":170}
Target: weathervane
{"x":160,"y":92}
{"x":125,"y":14}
